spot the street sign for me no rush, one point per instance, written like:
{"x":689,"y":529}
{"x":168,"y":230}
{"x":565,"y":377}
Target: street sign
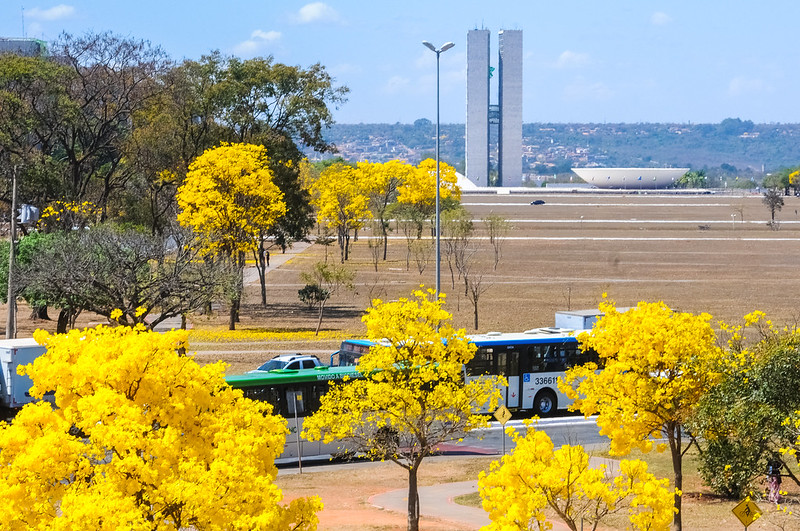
{"x":503,"y":415}
{"x":747,"y":512}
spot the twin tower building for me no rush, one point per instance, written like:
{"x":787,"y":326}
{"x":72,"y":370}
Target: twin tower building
{"x":506,"y":115}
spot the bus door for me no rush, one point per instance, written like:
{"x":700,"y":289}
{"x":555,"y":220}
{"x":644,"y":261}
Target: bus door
{"x":508,"y":366}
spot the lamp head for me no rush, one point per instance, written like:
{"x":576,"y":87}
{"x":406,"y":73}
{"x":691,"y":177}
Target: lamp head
{"x":429,"y":45}
{"x":446,"y":46}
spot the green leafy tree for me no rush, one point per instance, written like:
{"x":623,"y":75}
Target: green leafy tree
{"x":773,"y":200}
{"x":126,"y":275}
{"x":693,"y":179}
{"x":413,"y":396}
{"x":328,"y":279}
{"x":742,"y":420}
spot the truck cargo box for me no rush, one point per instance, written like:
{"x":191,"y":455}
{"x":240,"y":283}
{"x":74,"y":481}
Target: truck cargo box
{"x":13,"y":387}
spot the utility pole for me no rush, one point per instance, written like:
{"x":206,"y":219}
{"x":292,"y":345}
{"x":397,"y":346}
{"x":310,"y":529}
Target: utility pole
{"x":11,"y":321}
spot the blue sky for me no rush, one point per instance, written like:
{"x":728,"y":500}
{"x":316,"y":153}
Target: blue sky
{"x":585,"y":61}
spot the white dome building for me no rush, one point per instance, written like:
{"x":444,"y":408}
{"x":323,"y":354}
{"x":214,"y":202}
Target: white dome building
{"x":631,"y":178}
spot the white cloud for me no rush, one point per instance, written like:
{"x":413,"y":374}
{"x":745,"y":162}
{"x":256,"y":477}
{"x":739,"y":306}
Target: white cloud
{"x":317,"y":11}
{"x":258,"y":41}
{"x":660,"y":18}
{"x":570,"y":59}
{"x":54,"y":13}
{"x":742,"y":86}
{"x":266,"y":35}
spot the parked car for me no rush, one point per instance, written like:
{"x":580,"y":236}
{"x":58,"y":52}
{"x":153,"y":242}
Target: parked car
{"x":290,"y":362}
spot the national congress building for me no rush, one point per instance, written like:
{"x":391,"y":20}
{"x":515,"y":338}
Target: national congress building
{"x":506,"y":115}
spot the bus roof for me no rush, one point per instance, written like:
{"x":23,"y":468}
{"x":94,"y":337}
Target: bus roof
{"x":317,"y":374}
{"x":535,"y":335}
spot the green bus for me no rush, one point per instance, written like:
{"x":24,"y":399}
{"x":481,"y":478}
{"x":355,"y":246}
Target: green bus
{"x":295,"y":394}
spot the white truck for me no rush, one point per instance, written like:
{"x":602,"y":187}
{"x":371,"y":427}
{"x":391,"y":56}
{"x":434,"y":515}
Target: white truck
{"x":14,"y":387}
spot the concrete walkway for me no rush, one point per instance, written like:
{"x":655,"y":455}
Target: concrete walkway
{"x":437,"y":501}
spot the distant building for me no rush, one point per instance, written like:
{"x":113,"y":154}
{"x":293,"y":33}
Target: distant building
{"x":507,"y":114}
{"x":631,"y":178}
{"x":509,"y":143}
{"x":26,"y":47}
{"x":477,"y":129}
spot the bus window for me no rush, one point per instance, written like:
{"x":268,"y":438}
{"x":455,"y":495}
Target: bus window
{"x":482,"y":363}
{"x":555,"y":358}
{"x":507,"y":363}
{"x":294,"y":402}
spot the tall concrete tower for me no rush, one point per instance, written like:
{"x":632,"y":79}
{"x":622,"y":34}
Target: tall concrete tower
{"x":477,"y":130}
{"x":509,"y":145}
{"x":506,"y":115}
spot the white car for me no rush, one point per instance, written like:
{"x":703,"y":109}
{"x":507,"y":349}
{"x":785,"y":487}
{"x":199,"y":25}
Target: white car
{"x":290,"y":362}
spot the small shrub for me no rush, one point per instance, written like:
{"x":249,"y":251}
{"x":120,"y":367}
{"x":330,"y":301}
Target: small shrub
{"x":312,"y":295}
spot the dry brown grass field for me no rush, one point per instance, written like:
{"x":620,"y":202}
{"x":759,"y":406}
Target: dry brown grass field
{"x":710,"y":253}
{"x":703,"y":253}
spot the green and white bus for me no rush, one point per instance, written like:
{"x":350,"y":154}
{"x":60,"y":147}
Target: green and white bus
{"x":294,"y":394}
{"x":531,"y":361}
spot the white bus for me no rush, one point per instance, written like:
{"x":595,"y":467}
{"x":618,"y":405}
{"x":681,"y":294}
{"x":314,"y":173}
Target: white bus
{"x":531,"y":361}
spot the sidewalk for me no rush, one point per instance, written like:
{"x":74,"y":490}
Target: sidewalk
{"x":437,"y":501}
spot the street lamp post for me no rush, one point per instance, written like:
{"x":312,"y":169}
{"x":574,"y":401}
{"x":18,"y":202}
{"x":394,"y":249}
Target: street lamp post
{"x":446,"y":46}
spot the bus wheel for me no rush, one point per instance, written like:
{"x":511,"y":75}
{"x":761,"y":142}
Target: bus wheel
{"x":545,"y":403}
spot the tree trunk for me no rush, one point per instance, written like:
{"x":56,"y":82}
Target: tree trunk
{"x":319,"y":321}
{"x":39,"y":313}
{"x":261,"y":266}
{"x":63,"y":321}
{"x":236,"y":302}
{"x":475,"y":309}
{"x":413,"y":499}
{"x":677,"y":470}
{"x":385,"y":237}
{"x":234,"y":315}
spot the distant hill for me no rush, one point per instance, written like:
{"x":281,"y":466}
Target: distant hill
{"x":732,"y":146}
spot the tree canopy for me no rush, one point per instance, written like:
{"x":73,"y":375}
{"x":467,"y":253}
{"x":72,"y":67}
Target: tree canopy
{"x":412,"y":397}
{"x":149,"y":436}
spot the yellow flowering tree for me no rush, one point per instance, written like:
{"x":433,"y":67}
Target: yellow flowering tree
{"x":142,"y":438}
{"x":339,"y":195}
{"x":419,"y":187}
{"x":229,"y":200}
{"x":413,"y":397}
{"x":534,"y":476}
{"x":67,"y":216}
{"x":416,"y":197}
{"x":382,"y":182}
{"x":657,"y":365}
